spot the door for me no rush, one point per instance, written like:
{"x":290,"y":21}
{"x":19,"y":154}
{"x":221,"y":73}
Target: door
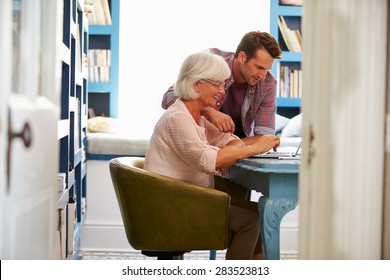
{"x":342,"y":168}
{"x":28,"y":128}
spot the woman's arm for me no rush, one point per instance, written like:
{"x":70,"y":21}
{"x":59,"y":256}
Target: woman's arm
{"x":253,"y":139}
{"x":254,"y":145}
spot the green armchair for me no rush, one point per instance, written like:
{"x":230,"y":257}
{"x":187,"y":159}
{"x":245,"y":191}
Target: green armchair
{"x":165,"y":217}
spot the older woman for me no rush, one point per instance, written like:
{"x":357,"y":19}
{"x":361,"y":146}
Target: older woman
{"x":186,"y":146}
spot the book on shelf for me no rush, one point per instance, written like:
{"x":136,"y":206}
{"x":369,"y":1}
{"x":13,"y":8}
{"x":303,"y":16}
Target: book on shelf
{"x":61,"y":234}
{"x":99,"y":74}
{"x":99,"y":62}
{"x":300,"y":82}
{"x":290,"y":82}
{"x":71,"y":222}
{"x":292,"y":2}
{"x":292,"y":38}
{"x":106,"y":11}
{"x":88,"y":6}
{"x":91,"y":113}
{"x":99,"y":12}
{"x":298,"y":38}
{"x":284,"y":31}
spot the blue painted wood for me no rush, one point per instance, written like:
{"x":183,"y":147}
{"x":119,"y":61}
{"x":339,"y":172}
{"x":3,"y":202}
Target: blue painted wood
{"x":289,"y":10}
{"x":107,"y":157}
{"x":213,"y":254}
{"x":293,"y":16}
{"x":277,"y":180}
{"x":288,"y":102}
{"x":113,"y":32}
{"x":73,"y":91}
{"x":291,"y":56}
{"x":101,"y":29}
{"x":100,"y":87}
{"x":271,"y":211}
{"x":114,"y":58}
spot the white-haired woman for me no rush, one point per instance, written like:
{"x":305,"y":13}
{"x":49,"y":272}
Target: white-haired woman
{"x":186,"y":146}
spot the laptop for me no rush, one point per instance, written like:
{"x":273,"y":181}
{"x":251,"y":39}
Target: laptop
{"x":282,"y":153}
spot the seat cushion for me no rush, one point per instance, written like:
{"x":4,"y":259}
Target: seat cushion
{"x":115,"y":144}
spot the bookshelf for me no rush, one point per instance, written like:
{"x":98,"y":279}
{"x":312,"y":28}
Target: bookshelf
{"x":288,"y":69}
{"x":71,"y":130}
{"x":104,"y":40}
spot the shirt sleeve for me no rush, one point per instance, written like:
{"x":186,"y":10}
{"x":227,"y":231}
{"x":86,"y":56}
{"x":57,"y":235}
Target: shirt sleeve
{"x":265,"y":117}
{"x":168,"y":97}
{"x":186,"y":140}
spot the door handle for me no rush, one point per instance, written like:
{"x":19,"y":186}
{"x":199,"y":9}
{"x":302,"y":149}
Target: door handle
{"x":25,"y":135}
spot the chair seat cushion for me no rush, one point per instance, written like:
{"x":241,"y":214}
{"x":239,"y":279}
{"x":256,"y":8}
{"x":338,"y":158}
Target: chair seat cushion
{"x":115,"y":144}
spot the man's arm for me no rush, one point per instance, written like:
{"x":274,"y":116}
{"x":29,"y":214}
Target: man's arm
{"x":169,"y":98}
{"x":222,"y":121}
{"x":264,"y":122}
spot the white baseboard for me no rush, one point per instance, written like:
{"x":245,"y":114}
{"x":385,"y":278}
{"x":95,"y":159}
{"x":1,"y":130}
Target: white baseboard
{"x":289,"y":242}
{"x":98,"y":237}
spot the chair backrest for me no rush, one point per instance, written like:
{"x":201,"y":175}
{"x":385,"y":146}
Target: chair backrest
{"x":162,"y":213}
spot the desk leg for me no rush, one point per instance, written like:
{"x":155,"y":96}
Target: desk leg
{"x":271,"y":212}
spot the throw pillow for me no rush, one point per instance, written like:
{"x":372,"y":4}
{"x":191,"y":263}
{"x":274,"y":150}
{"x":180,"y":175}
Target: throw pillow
{"x":280,"y":123}
{"x":293,"y":128}
{"x":103,"y":125}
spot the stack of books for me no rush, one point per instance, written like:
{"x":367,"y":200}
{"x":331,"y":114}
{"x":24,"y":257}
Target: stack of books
{"x":98,"y":12}
{"x":290,"y":82}
{"x":292,"y":38}
{"x":99,"y":63}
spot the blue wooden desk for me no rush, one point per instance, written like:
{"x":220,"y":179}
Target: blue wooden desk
{"x":277,"y":180}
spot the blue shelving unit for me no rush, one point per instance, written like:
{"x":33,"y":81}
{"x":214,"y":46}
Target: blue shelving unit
{"x":73,"y":117}
{"x":103,"y":97}
{"x":286,"y":106}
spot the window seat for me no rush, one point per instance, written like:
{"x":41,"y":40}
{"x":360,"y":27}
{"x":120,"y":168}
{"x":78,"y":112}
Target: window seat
{"x":106,"y":146}
{"x":103,"y":227}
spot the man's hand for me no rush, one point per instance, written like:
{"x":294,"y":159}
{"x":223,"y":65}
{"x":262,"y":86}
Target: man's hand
{"x":222,"y":121}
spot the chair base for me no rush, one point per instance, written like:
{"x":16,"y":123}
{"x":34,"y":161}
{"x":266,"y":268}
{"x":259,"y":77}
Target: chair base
{"x":165,"y":255}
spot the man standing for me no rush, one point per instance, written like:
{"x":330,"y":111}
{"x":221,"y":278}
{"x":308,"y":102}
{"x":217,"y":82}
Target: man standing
{"x":249,"y":105}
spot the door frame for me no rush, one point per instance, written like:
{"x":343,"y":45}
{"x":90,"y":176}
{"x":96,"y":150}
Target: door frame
{"x":386,"y":187}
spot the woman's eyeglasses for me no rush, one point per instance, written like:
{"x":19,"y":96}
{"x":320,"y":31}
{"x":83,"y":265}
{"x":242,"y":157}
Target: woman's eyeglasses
{"x":218,"y":84}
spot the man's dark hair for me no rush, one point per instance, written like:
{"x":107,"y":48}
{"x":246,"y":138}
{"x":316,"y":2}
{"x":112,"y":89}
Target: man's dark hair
{"x":254,"y":40}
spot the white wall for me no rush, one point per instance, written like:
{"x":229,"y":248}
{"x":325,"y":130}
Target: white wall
{"x":156,"y":36}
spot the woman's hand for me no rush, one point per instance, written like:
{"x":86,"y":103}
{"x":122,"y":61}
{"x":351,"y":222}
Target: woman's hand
{"x":254,"y":145}
{"x":265,"y":142}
